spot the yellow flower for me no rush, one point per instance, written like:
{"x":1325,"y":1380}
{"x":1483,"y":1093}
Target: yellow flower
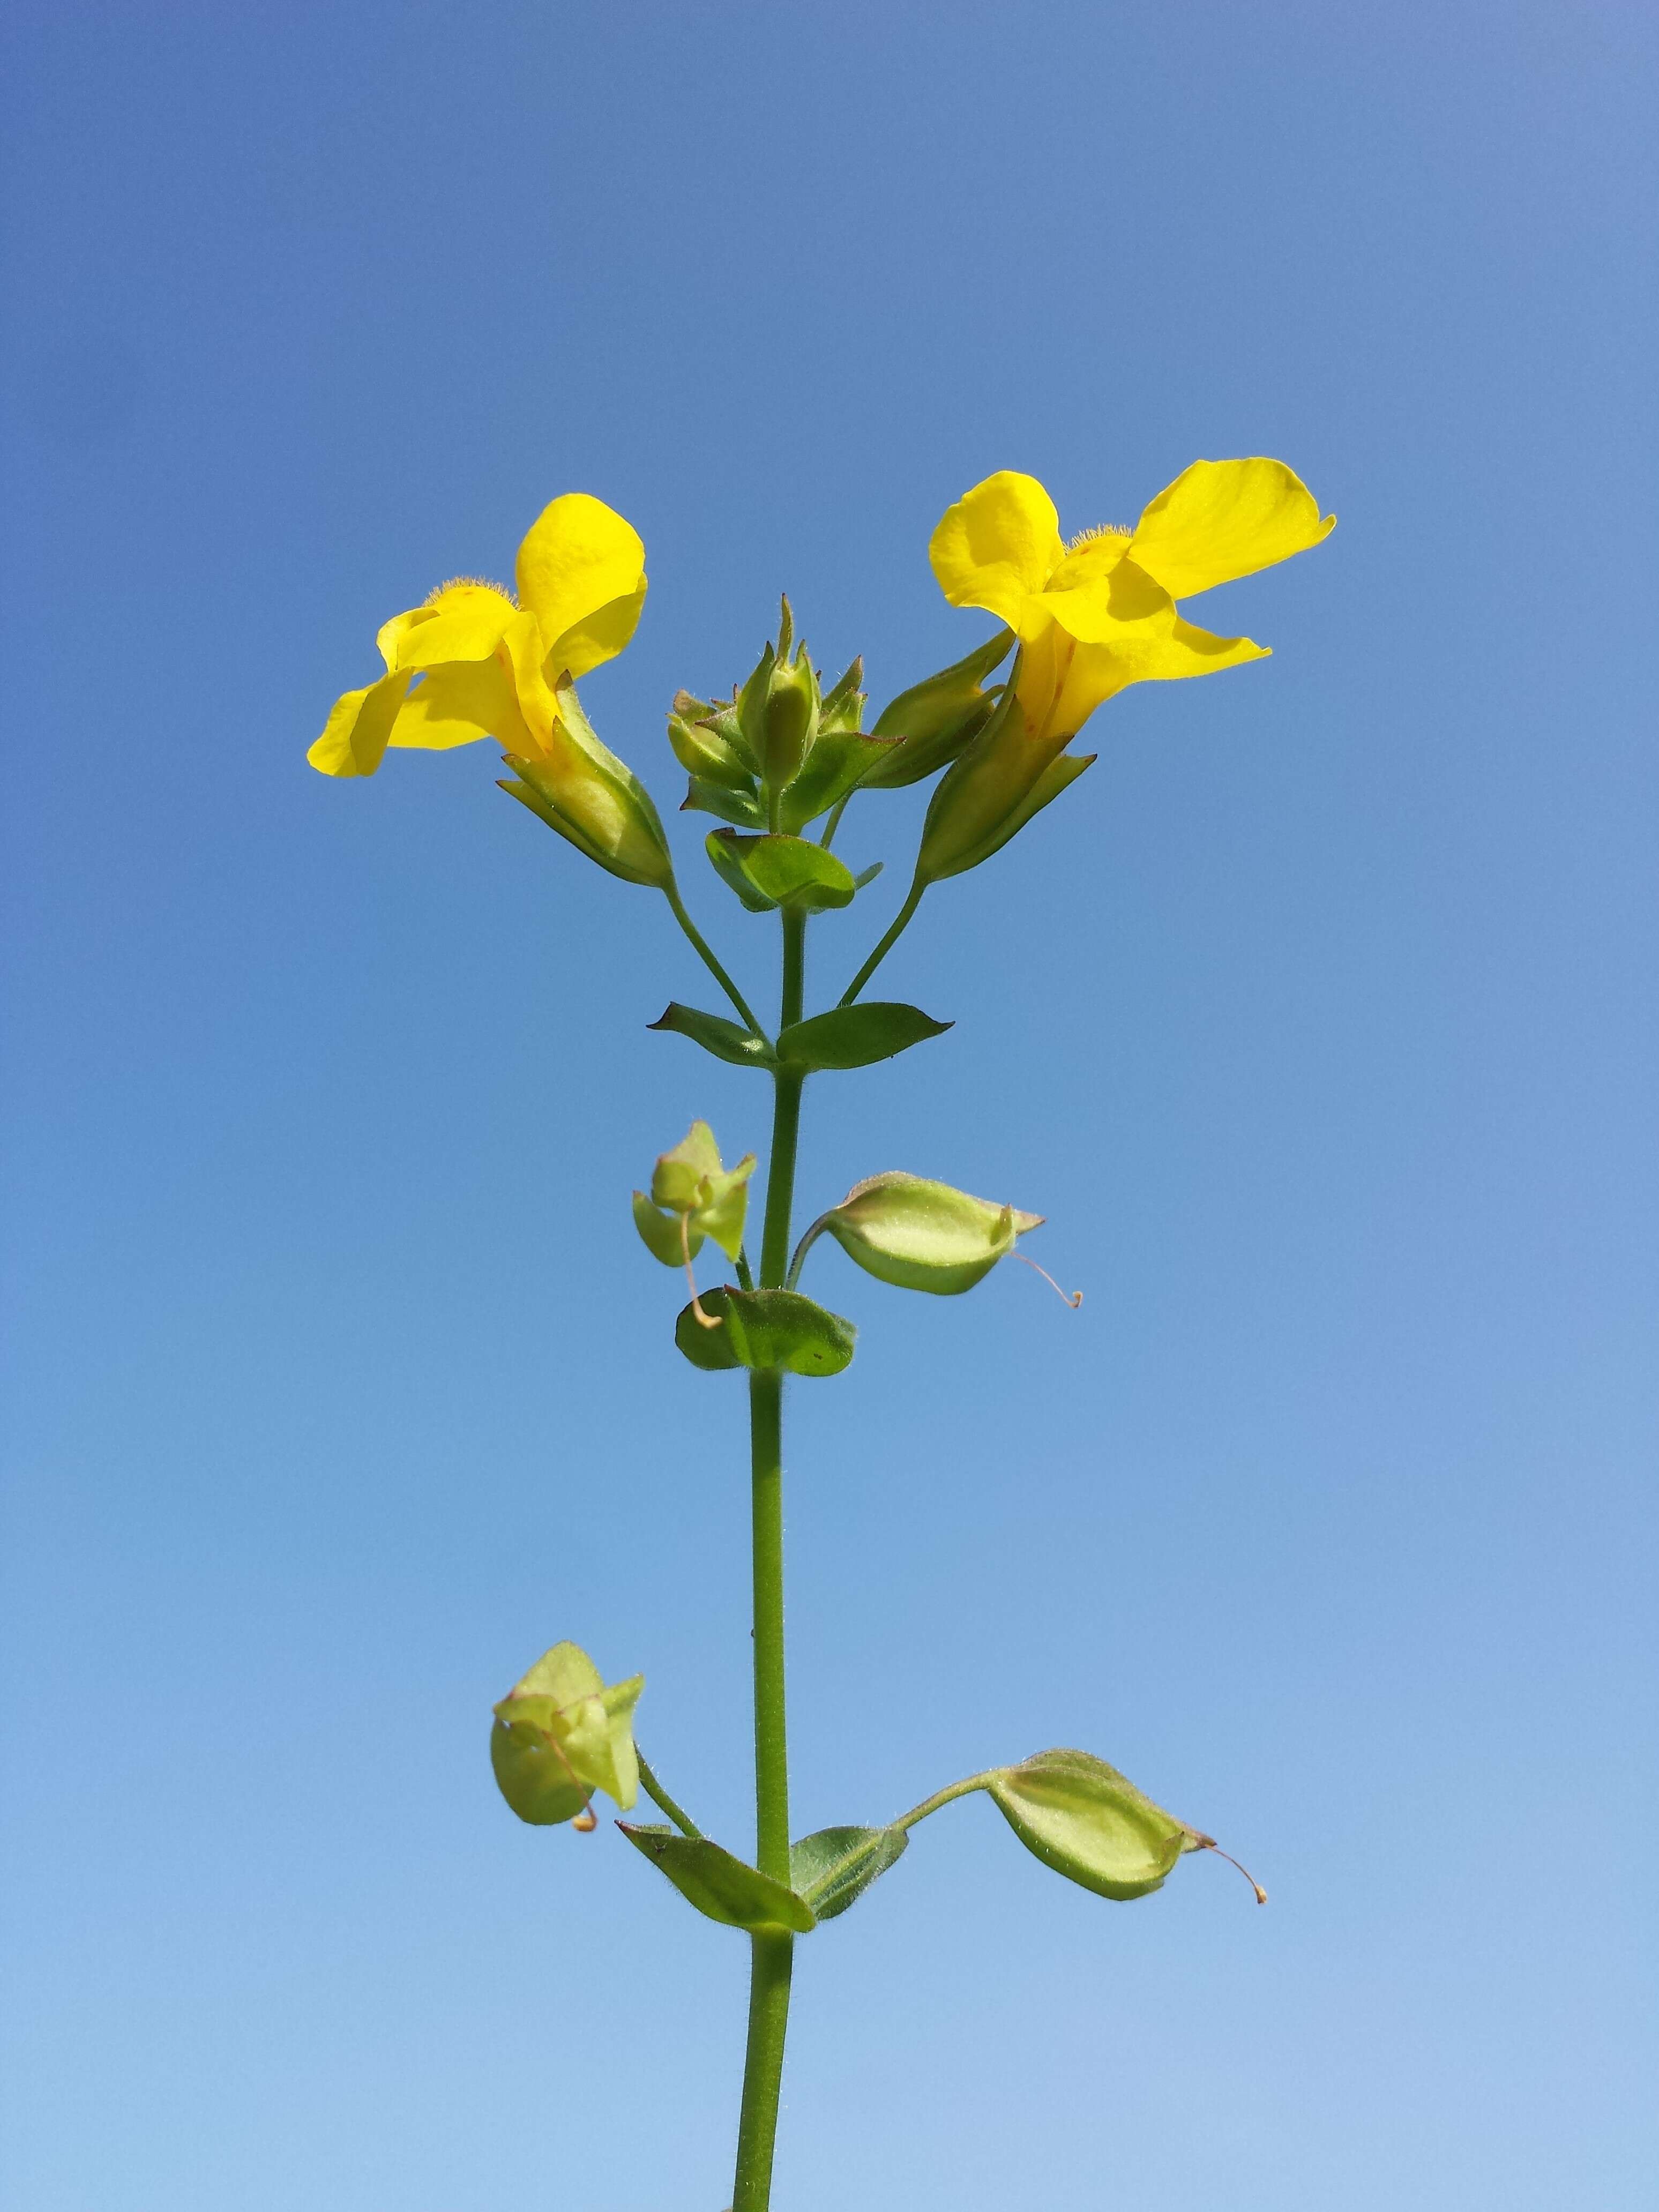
{"x":457,"y":666}
{"x":1111,"y":593}
{"x":1093,"y":617}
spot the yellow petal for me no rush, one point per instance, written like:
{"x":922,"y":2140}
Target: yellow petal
{"x":460,"y":703}
{"x":1098,"y":673}
{"x":580,"y":569}
{"x":354,"y":739}
{"x":462,"y":620}
{"x":1061,"y":681}
{"x":1090,"y":561}
{"x":600,"y":637}
{"x":1112,"y":601}
{"x":1000,"y":543}
{"x":1220,"y":519}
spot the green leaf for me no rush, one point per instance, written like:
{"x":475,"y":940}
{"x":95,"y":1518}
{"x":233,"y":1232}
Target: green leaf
{"x":837,"y":763}
{"x":779,"y":871}
{"x":920,"y":1235}
{"x":766,"y":1329}
{"x":722,"y":1887}
{"x":1089,"y":1822}
{"x":742,"y":807}
{"x":726,"y":1040}
{"x":833,"y":1869}
{"x":856,"y":1035}
{"x":561,"y":1733}
{"x":723,"y":848}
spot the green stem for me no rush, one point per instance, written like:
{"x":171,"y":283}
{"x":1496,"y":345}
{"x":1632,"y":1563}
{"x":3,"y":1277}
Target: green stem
{"x":772,"y":1955}
{"x":771,"y":1743}
{"x":901,"y":923}
{"x":671,"y":893}
{"x":802,"y":1249}
{"x":943,"y":1797}
{"x":834,"y":823}
{"x":660,"y":1798}
{"x":762,"y":2073}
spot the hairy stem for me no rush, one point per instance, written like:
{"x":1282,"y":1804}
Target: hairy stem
{"x":773,"y":1955}
{"x":900,"y":924}
{"x":660,"y":1798}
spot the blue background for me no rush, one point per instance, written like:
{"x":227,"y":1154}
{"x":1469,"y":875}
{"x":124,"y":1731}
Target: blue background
{"x":1318,"y":1019}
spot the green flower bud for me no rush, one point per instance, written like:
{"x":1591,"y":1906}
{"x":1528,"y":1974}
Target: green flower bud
{"x":923,"y":1236}
{"x":933,"y":722}
{"x":790,"y":722}
{"x":706,"y":750}
{"x":559,"y":1733}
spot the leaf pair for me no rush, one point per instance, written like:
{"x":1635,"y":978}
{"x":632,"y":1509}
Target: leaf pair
{"x":845,"y":1037}
{"x":1079,"y":1816}
{"x":777,"y":1329}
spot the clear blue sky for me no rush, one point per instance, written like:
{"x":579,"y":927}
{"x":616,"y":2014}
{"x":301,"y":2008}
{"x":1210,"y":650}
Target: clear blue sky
{"x":1318,"y":1019}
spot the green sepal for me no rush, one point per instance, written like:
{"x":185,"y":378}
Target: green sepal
{"x":833,"y":1869}
{"x":1089,"y":1822}
{"x":726,"y":1040}
{"x":779,"y":871}
{"x":707,"y":755}
{"x":641,"y":832}
{"x":790,"y":722}
{"x":842,"y":705}
{"x":680,"y":1179}
{"x":544,"y":811}
{"x":765,"y":1330}
{"x":1061,"y":771}
{"x":924,"y":1236}
{"x":868,"y":875}
{"x":838,"y":763}
{"x":722,"y":1887}
{"x":934,"y":720}
{"x":659,"y":1233}
{"x":559,"y":1733}
{"x":856,"y":1035}
{"x":742,"y":809}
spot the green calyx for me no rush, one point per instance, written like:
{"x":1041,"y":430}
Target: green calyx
{"x":933,"y":720}
{"x":922,"y":1235}
{"x":693,"y":1196}
{"x":559,"y":1733}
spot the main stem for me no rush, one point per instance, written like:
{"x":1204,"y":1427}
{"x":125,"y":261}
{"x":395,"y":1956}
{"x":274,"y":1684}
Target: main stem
{"x":773,"y":1955}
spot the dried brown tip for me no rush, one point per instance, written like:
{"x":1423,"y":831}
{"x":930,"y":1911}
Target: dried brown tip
{"x":1209,"y":1844}
{"x":706,"y":1320}
{"x":585,"y":1821}
{"x":1073,"y":1298}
